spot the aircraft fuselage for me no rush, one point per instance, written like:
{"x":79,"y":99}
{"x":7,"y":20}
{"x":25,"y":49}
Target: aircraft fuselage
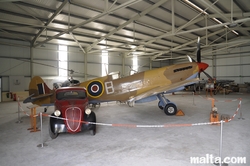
{"x":123,"y":89}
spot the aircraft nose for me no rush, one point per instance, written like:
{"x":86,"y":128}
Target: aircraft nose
{"x":202,"y":66}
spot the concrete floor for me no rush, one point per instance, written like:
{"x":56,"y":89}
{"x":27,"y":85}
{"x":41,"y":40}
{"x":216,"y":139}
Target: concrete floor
{"x":122,"y":146}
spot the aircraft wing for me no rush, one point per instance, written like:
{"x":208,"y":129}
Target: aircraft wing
{"x":32,"y":99}
{"x":165,"y":89}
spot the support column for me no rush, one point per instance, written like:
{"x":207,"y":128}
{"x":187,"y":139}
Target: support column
{"x":150,"y":63}
{"x":214,"y":63}
{"x":31,"y":62}
{"x":206,"y":30}
{"x":85,"y":67}
{"x":123,"y":64}
{"x":173,"y":19}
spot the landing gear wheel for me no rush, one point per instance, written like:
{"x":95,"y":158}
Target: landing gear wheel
{"x":131,"y":103}
{"x":159,"y":105}
{"x":170,"y":109}
{"x":52,"y":134}
{"x":94,"y":105}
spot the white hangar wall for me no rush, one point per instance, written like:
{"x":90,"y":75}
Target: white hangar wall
{"x":15,"y":57}
{"x":45,"y":60}
{"x":14,"y":61}
{"x":233,"y":64}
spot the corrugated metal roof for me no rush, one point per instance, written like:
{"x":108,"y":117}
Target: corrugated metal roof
{"x":150,"y":28}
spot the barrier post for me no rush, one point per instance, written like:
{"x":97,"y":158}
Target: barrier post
{"x":221,"y":143}
{"x":224,"y":92}
{"x":41,"y":133}
{"x":18,"y":111}
{"x":193,"y":98}
{"x":241,"y":115}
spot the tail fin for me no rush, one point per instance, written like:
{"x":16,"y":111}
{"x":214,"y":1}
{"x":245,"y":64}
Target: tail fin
{"x":38,"y":87}
{"x":39,"y":92}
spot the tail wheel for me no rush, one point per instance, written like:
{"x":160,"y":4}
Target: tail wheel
{"x":170,"y":109}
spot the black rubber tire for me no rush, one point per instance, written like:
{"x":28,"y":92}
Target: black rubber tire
{"x":91,"y":127}
{"x":92,"y":132}
{"x":170,"y":109}
{"x":51,"y":133}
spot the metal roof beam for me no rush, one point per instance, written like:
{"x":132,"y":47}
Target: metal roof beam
{"x":27,"y":12}
{"x":15,"y":35}
{"x":215,"y":9}
{"x":191,"y":22}
{"x":204,"y":28}
{"x":128,"y":3}
{"x":188,"y":43}
{"x":154,"y":39}
{"x":127,"y":22}
{"x":228,"y":15}
{"x":49,"y":21}
{"x":72,"y":35}
{"x":228,"y":45}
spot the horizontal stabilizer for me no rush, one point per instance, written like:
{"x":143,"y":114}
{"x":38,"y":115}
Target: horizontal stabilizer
{"x":33,"y":99}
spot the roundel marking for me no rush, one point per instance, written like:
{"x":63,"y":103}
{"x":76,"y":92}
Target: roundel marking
{"x":95,"y":89}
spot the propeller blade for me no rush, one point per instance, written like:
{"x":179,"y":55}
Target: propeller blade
{"x":208,"y":76}
{"x":198,"y":54}
{"x":190,"y":59}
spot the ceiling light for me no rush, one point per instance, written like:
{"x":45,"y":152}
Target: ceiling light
{"x":232,"y":25}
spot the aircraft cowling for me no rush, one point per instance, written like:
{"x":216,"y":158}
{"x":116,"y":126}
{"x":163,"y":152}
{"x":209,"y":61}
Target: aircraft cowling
{"x":202,"y":66}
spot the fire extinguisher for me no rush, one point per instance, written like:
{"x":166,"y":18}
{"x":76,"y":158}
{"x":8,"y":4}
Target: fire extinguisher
{"x":14,"y":96}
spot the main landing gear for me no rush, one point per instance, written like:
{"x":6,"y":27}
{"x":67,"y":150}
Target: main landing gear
{"x":164,"y":104}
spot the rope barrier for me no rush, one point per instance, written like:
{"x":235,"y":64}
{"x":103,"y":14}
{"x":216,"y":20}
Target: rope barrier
{"x":221,"y":101}
{"x":19,"y":105}
{"x":143,"y":126}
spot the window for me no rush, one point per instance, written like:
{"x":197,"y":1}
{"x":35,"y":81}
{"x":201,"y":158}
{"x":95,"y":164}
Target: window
{"x":135,"y":65}
{"x":66,"y":95}
{"x":104,"y":62}
{"x":63,"y":61}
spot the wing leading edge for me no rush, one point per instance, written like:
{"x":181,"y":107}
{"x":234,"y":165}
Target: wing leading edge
{"x":165,"y":89}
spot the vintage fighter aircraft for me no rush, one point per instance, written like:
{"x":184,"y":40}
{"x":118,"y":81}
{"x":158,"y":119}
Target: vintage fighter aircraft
{"x":140,"y":87}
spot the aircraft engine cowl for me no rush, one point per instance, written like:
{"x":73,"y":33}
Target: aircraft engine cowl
{"x":202,"y":66}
